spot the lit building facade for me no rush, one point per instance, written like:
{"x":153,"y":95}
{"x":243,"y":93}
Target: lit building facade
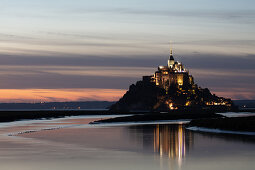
{"x":174,"y":74}
{"x":181,"y":91}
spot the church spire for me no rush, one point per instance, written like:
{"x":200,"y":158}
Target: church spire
{"x":171,"y":52}
{"x":170,"y":62}
{"x":171,"y":48}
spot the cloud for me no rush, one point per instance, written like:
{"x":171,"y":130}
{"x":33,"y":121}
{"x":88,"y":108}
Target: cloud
{"x":59,"y":95}
{"x":15,"y":37}
{"x":244,"y":16}
{"x":209,"y":61}
{"x":235,"y":93}
{"x":57,"y":81}
{"x":42,"y":72}
{"x":79,"y":60}
{"x":219,"y":42}
{"x":192,"y":61}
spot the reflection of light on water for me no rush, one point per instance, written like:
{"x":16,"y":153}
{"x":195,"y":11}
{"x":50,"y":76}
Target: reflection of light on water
{"x":181,"y":144}
{"x":170,"y":142}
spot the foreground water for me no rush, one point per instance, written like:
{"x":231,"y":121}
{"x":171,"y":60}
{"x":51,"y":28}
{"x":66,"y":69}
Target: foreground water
{"x":71,"y":143}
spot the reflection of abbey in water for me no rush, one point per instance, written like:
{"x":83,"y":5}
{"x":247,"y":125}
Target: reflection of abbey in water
{"x":171,"y":141}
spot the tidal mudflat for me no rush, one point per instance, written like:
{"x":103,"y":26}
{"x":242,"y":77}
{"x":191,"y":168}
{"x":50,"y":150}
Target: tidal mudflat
{"x":73,"y":143}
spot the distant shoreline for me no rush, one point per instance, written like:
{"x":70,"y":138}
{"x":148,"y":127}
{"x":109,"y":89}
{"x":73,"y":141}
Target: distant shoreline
{"x":156,"y":116}
{"x":18,"y":115}
{"x":204,"y":119}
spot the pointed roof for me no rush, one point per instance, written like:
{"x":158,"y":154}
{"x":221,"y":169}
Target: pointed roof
{"x":171,"y":53}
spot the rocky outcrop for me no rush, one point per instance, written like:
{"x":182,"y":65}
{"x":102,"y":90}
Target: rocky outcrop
{"x":146,"y":96}
{"x":140,"y":96}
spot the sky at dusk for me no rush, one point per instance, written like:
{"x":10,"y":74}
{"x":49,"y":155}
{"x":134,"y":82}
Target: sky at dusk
{"x":63,"y":50}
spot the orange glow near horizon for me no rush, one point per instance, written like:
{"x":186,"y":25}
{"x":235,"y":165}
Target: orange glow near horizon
{"x":83,"y":94}
{"x":234,"y":94}
{"x":59,"y":95}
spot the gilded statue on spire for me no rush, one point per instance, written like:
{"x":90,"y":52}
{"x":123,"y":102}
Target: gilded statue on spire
{"x":171,"y":48}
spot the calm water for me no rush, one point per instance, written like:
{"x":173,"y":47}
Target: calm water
{"x":71,"y":143}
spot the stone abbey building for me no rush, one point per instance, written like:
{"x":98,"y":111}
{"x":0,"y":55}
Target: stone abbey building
{"x":172,"y":75}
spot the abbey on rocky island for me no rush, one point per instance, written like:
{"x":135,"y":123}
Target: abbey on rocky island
{"x":171,"y":87}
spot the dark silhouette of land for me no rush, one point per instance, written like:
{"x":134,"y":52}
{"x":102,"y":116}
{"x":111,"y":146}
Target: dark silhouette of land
{"x":224,"y":123}
{"x":244,"y":104}
{"x":57,"y":105}
{"x":156,"y":116}
{"x":146,"y":95}
{"x":8,"y":116}
{"x":202,"y":118}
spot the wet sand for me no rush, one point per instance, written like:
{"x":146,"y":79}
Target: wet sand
{"x":72,"y":143}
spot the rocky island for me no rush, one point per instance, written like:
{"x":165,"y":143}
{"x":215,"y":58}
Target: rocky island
{"x":171,"y":87}
{"x":171,"y":94}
